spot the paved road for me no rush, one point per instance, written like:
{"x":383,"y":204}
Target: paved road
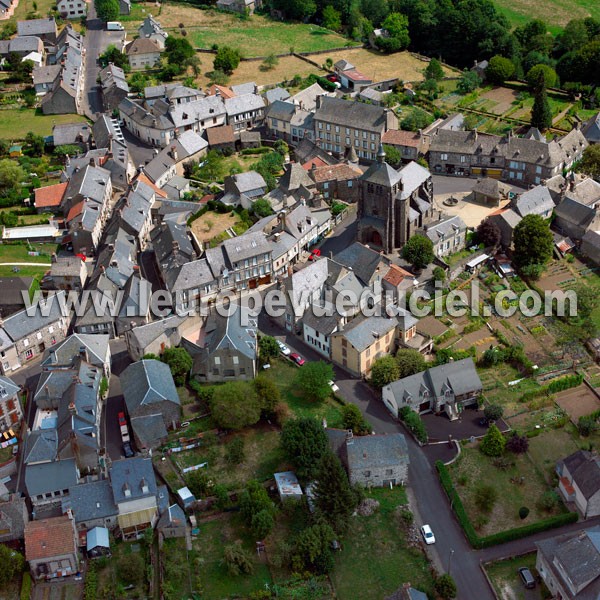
{"x":96,"y":41}
{"x":140,"y":152}
{"x":423,"y":485}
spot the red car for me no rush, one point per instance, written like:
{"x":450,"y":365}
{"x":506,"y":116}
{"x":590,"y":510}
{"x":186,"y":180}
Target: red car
{"x":297,"y":359}
{"x":122,"y":420}
{"x":332,"y":77}
{"x":314,"y":254}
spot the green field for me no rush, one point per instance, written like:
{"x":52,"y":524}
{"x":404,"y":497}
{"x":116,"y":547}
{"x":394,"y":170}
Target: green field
{"x":556,"y":13}
{"x":263,"y":37}
{"x":19,"y":253}
{"x":16,"y":123}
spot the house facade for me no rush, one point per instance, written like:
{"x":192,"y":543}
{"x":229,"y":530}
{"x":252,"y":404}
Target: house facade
{"x":579,"y":482}
{"x":11,"y":411}
{"x":71,"y":9}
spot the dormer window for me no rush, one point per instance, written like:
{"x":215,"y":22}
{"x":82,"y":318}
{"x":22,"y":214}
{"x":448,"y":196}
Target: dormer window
{"x":126,"y":490}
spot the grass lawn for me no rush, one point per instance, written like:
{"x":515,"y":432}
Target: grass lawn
{"x":549,"y":447}
{"x":27,"y":6}
{"x":36,"y":272}
{"x":108,"y":570}
{"x":375,"y":558}
{"x":6,"y":454}
{"x":284,"y":373}
{"x":263,"y":457}
{"x":19,"y":253}
{"x":507,"y":582}
{"x":496,"y":389}
{"x":33,"y":219}
{"x":474,"y":469}
{"x":16,"y":123}
{"x":556,"y":13}
{"x":215,"y":581}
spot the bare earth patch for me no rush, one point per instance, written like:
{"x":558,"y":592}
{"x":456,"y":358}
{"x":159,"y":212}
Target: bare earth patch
{"x":212,"y":224}
{"x":502,"y":98}
{"x":578,"y":402}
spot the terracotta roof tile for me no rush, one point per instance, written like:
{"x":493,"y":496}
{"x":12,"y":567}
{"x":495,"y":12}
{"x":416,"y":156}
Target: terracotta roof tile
{"x":219,"y":90}
{"x":341,"y":172}
{"x":49,"y":537}
{"x":397,"y":137}
{"x":220,"y":135}
{"x":144,"y":179}
{"x":51,"y":195}
{"x":317,"y":162}
{"x":396,"y":275}
{"x":76,"y":209}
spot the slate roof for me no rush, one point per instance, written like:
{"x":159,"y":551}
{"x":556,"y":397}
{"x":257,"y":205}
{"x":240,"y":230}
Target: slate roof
{"x":362,"y":333}
{"x":412,"y":176}
{"x":71,"y":133}
{"x":172,"y":517}
{"x":113,"y":76}
{"x":90,"y":501}
{"x":146,"y":334}
{"x":26,"y":44}
{"x":191,"y":275}
{"x":535,"y":201}
{"x":37,"y":26}
{"x":142,"y":45}
{"x":230,"y":332}
{"x":8,"y":387}
{"x":41,"y":446}
{"x":45,"y":74}
{"x":28,"y":321}
{"x":246,"y":246}
{"x":147,"y":382}
{"x":445,"y":228}
{"x":250,"y":181}
{"x":584,"y":468}
{"x":277,"y":93}
{"x":13,"y":517}
{"x":591,"y":129}
{"x":380,"y":173}
{"x":249,"y":87}
{"x":132,"y":473}
{"x":572,"y":211}
{"x":244,"y":103}
{"x":48,"y":538}
{"x":281,"y":111}
{"x":88,"y":182}
{"x":350,"y":114}
{"x":362,"y":260}
{"x":63,"y":353}
{"x":326,"y":324}
{"x":51,"y":477}
{"x":376,"y":451}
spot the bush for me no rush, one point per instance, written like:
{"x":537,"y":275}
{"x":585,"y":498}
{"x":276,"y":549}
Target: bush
{"x":493,"y":412}
{"x":587,"y":425}
{"x":445,"y":586}
{"x":548,"y":501}
{"x":235,"y":451}
{"x":26,"y":588}
{"x":523,"y":512}
{"x":485,"y":497}
{"x":493,"y":443}
{"x":414,"y":423}
{"x":353,"y":419}
{"x":237,"y":559}
{"x":517,"y":444}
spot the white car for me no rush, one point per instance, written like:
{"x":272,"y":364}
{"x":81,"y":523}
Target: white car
{"x":283,"y":348}
{"x":427,"y":534}
{"x":333,"y":386}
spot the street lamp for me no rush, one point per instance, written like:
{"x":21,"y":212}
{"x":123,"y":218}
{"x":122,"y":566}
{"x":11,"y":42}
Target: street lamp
{"x":450,"y":559}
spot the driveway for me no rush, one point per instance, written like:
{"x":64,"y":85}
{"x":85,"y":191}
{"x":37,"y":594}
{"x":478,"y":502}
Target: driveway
{"x":96,"y":41}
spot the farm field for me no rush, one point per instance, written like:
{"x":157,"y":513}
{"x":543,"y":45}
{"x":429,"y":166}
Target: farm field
{"x":16,"y":123}
{"x":556,"y":13}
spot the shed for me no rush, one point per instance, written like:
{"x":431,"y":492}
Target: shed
{"x":186,"y":496}
{"x":287,"y":485}
{"x":98,"y":543}
{"x":476,"y":263}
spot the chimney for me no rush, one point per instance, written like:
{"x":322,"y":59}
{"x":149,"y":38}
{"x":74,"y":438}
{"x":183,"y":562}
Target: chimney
{"x":175,"y":247}
{"x":174,"y":153}
{"x":318,"y":102}
{"x":144,"y":486}
{"x":72,"y":408}
{"x":83,"y":353}
{"x":53,"y":258}
{"x":92,"y":162}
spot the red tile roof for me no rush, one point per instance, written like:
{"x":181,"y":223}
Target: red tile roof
{"x":50,"y":196}
{"x":567,"y":486}
{"x":76,"y":209}
{"x":144,"y":179}
{"x":397,"y":137}
{"x":355,"y":75}
{"x":317,"y":162}
{"x":341,"y":172}
{"x":220,"y":135}
{"x":220,"y":90}
{"x":396,"y":275}
{"x":49,"y":538}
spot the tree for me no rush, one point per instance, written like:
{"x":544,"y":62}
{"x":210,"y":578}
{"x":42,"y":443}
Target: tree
{"x":131,"y":568}
{"x":469,"y":81}
{"x":107,"y":10}
{"x":493,"y":443}
{"x":533,"y":241}
{"x":485,"y":497}
{"x":11,"y":175}
{"x":296,"y":10}
{"x":392,"y":155}
{"x":541,"y":113}
{"x":439,"y":274}
{"x":590,"y":163}
{"x":312,"y":548}
{"x":313,"y":380}
{"x":262,"y":208}
{"x":354,"y":420}
{"x":409,"y":362}
{"x":304,"y":442}
{"x":238,"y":560}
{"x":445,"y":586}
{"x":396,"y":25}
{"x":548,"y":501}
{"x":11,"y":565}
{"x":434,"y":70}
{"x":493,"y":412}
{"x":415,"y":120}
{"x":384,"y":370}
{"x":586,"y":425}
{"x":332,"y":18}
{"x":113,"y":55}
{"x":253,"y":500}
{"x":35,"y":144}
{"x":226,"y":59}
{"x":517,"y":444}
{"x":180,"y":362}
{"x":333,"y":495}
{"x":537,"y":71}
{"x":488,"y":233}
{"x":499,"y":69}
{"x":268,"y":347}
{"x":268,"y":394}
{"x":269,"y":63}
{"x":66,"y":149}
{"x":418,"y":251}
{"x":235,"y":405}
{"x":262,"y":523}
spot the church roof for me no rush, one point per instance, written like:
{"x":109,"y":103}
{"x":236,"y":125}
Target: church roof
{"x":380,"y":173}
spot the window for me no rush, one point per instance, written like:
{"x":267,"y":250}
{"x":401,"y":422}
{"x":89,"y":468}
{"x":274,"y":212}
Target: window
{"x":38,"y":335}
{"x":367,"y":473}
{"x":444,"y":157}
{"x":25,"y":342}
{"x":217,"y":360}
{"x":29,"y":354}
{"x":337,"y":128}
{"x":215,"y":371}
{"x":389,"y":471}
{"x":364,"y":135}
{"x":538,"y":170}
{"x":347,"y":141}
{"x":463,"y":159}
{"x":350,"y":183}
{"x":328,"y":126}
{"x":320,"y":125}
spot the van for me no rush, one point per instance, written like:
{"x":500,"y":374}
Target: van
{"x":527,"y":578}
{"x":114,"y":26}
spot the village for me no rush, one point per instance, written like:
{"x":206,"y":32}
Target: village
{"x":272,"y":330}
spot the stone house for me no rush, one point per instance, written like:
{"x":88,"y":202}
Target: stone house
{"x":154,"y":337}
{"x":337,"y":181}
{"x":239,"y":6}
{"x":371,"y":460}
{"x":11,"y":299}
{"x":152,"y":401}
{"x":152,"y":30}
{"x":51,"y":548}
{"x":410,"y":144}
{"x":245,"y":111}
{"x":71,"y":9}
{"x":574,"y":219}
{"x":172,"y":522}
{"x":114,"y":86}
{"x":591,"y":129}
{"x":11,"y":411}
{"x":448,"y":235}
{"x":14,"y":515}
{"x":143,"y":53}
{"x":579,"y":482}
{"x":590,"y":245}
{"x":446,"y":388}
{"x":45,"y":29}
{"x":569,"y":564}
{"x":92,"y":505}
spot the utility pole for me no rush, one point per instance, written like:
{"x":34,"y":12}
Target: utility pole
{"x":450,"y":559}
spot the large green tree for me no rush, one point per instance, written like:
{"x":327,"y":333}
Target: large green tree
{"x":296,"y":10}
{"x":434,"y":70}
{"x":312,"y":548}
{"x":384,"y":370}
{"x":235,"y":405}
{"x":499,"y":69}
{"x":590,"y":163}
{"x":11,"y":175}
{"x":418,"y":251}
{"x":533,"y":241}
{"x":409,"y":362}
{"x":226,"y":59}
{"x":493,"y":442}
{"x":468,"y":82}
{"x":268,"y":347}
{"x":313,"y":380}
{"x":397,"y":38}
{"x":333,"y":495}
{"x":180,"y":362}
{"x":541,"y":113}
{"x":537,"y":71}
{"x":304,"y":442}
{"x":107,"y":10}
{"x":11,"y":564}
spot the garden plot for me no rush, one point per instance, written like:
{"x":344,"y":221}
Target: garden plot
{"x":498,"y":100}
{"x":578,"y":402}
{"x":212,"y":224}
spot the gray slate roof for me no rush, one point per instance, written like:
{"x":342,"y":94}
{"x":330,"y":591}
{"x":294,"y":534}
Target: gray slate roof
{"x":362,"y":333}
{"x":8,"y":387}
{"x":132,"y":473}
{"x":362,"y":260}
{"x":277,"y":93}
{"x":377,"y":451}
{"x":231,"y":332}
{"x":37,"y":26}
{"x":51,"y":477}
{"x":446,"y":228}
{"x":95,"y":345}
{"x":41,"y":446}
{"x":90,"y":501}
{"x":535,"y":201}
{"x":244,"y":103}
{"x":351,"y":114}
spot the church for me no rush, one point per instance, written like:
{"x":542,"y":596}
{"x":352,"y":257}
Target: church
{"x":394,"y":205}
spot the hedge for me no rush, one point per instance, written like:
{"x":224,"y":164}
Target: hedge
{"x":414,"y":423}
{"x":502,"y":536}
{"x":558,"y":385}
{"x":26,"y":586}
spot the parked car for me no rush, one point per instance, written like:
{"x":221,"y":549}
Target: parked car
{"x":297,"y":359}
{"x":314,"y":254}
{"x":127,"y":450}
{"x":427,"y":534}
{"x":527,"y":577}
{"x":283,"y":348}
{"x":332,"y":77}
